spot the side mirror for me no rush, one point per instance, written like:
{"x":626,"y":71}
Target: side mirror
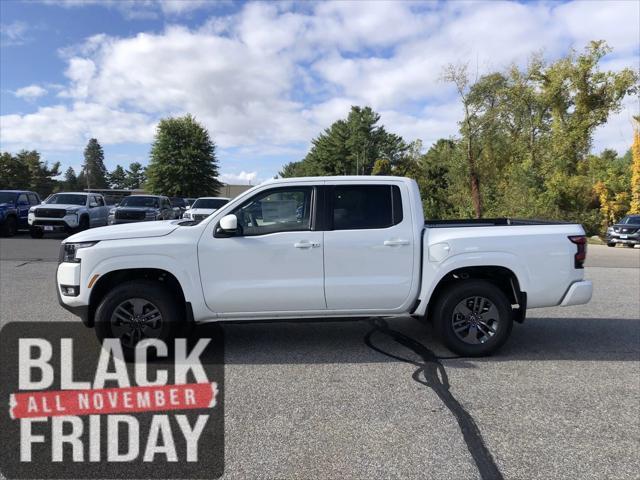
{"x":117,"y":204}
{"x":188,"y":207}
{"x":93,"y":204}
{"x":227,"y":227}
{"x":43,"y":203}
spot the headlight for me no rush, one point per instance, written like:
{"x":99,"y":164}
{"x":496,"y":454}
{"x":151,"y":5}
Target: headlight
{"x":72,"y":211}
{"x":69,"y":251}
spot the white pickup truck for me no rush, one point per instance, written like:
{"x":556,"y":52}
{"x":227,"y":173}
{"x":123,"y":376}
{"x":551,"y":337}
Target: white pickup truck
{"x":321,"y":248}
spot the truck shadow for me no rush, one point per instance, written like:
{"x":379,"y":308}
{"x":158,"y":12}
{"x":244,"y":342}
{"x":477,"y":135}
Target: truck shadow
{"x":330,"y":341}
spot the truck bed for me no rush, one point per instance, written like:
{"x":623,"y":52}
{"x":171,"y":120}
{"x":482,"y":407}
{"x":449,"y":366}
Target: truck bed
{"x":489,"y":222}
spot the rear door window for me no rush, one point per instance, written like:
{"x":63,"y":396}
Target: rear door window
{"x":359,"y":207}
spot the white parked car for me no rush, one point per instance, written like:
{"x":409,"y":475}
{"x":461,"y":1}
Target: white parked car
{"x":321,"y":248}
{"x":67,"y":212}
{"x":203,"y":207}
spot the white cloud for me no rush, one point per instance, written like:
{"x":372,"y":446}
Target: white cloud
{"x":242,"y":178}
{"x":14,"y":33}
{"x":30,"y":92}
{"x":267,"y":79}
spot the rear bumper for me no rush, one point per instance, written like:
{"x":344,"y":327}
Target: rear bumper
{"x":579,"y":293}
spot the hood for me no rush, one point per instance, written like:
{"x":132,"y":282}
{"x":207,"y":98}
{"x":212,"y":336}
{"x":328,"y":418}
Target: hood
{"x":202,"y":211}
{"x":126,"y":230}
{"x":137,"y":209}
{"x":630,"y":226}
{"x":59,"y":206}
{"x":4,"y":206}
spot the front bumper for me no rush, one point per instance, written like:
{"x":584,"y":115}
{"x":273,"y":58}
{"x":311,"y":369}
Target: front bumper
{"x":66,"y":223}
{"x":68,"y":274}
{"x":624,"y":239}
{"x":579,"y":293}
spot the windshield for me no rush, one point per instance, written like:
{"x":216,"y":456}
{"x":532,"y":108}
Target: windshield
{"x":214,"y":203}
{"x":67,"y":199}
{"x":151,"y":202}
{"x":632,"y":219}
{"x":7,"y":197}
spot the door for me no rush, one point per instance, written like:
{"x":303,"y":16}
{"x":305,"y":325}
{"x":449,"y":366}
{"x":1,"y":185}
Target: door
{"x":273,"y":263}
{"x":23,"y":206}
{"x":368,"y":248}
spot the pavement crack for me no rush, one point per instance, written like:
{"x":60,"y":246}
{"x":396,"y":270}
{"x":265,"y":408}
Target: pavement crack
{"x":29,"y":261}
{"x":431,"y":373}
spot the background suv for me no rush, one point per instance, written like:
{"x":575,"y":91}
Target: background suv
{"x":141,"y":208}
{"x":626,"y":232}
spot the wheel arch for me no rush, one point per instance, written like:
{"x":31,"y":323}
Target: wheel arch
{"x":107,"y":281}
{"x":502,"y":277}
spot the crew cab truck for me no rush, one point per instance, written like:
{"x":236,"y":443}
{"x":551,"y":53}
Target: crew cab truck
{"x":322,"y":247}
{"x":68,"y":212}
{"x":14,"y":209}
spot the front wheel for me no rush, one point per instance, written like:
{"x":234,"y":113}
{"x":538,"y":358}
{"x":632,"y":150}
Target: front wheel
{"x":473,"y":318}
{"x":611,"y":244}
{"x":10,"y":227}
{"x":36,"y":232}
{"x":138,"y":310}
{"x":84,"y":224}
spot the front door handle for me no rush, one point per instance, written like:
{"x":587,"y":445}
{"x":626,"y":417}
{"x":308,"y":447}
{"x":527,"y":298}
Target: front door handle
{"x":306,"y":244}
{"x":395,"y":243}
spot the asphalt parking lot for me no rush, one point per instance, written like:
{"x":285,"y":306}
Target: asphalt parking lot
{"x":315,"y":400}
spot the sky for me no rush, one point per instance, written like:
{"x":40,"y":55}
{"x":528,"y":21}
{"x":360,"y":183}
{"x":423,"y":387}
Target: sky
{"x":266,"y":78}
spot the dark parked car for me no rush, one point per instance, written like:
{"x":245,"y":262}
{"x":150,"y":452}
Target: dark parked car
{"x":141,"y":208}
{"x":14,"y":210}
{"x":179,"y":205}
{"x":626,"y":232}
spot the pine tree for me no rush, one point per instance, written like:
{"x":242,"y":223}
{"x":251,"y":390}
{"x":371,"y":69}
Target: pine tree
{"x":94,"y":173}
{"x":71,"y":180}
{"x":183,"y":160}
{"x":135,"y":176}
{"x":118,"y":178}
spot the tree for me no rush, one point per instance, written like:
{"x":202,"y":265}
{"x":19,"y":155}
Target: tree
{"x":41,"y":177}
{"x":183,"y":160}
{"x":635,"y":170}
{"x":94,"y":173}
{"x":118,"y":178}
{"x":13,"y":173}
{"x":135,"y":176}
{"x":70,"y":182}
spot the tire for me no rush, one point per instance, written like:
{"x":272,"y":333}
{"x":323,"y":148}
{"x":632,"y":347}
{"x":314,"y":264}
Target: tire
{"x":630,"y":245}
{"x":36,"y":232}
{"x":138,"y":297}
{"x":10,"y":227}
{"x":477,"y":308}
{"x":84,"y":224}
{"x":611,"y":244}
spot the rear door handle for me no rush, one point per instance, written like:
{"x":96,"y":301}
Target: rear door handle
{"x":395,"y":243}
{"x":306,"y":244}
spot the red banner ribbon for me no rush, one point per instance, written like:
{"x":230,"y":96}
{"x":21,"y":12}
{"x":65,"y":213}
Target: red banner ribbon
{"x":112,"y":400}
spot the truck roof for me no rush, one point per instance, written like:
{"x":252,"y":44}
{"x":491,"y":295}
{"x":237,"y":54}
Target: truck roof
{"x":347,"y":178}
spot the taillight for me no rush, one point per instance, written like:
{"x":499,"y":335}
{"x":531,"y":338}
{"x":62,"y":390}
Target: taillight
{"x":581,"y":254}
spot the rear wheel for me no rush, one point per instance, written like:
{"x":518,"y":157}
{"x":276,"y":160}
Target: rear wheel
{"x":630,"y":245}
{"x":611,"y":244}
{"x":138,"y":310}
{"x":10,"y":227}
{"x":36,"y":232}
{"x":473,"y":318}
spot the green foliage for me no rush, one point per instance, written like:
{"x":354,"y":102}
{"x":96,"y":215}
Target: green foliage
{"x":135,"y":176}
{"x":183,"y":160}
{"x":349,"y":147}
{"x":25,"y":170}
{"x":94,"y":174}
{"x":523,"y":149}
{"x":118,"y":178}
{"x":70,"y":182}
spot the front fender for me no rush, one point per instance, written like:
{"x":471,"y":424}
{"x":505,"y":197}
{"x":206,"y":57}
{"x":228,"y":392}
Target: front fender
{"x":179,"y":269}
